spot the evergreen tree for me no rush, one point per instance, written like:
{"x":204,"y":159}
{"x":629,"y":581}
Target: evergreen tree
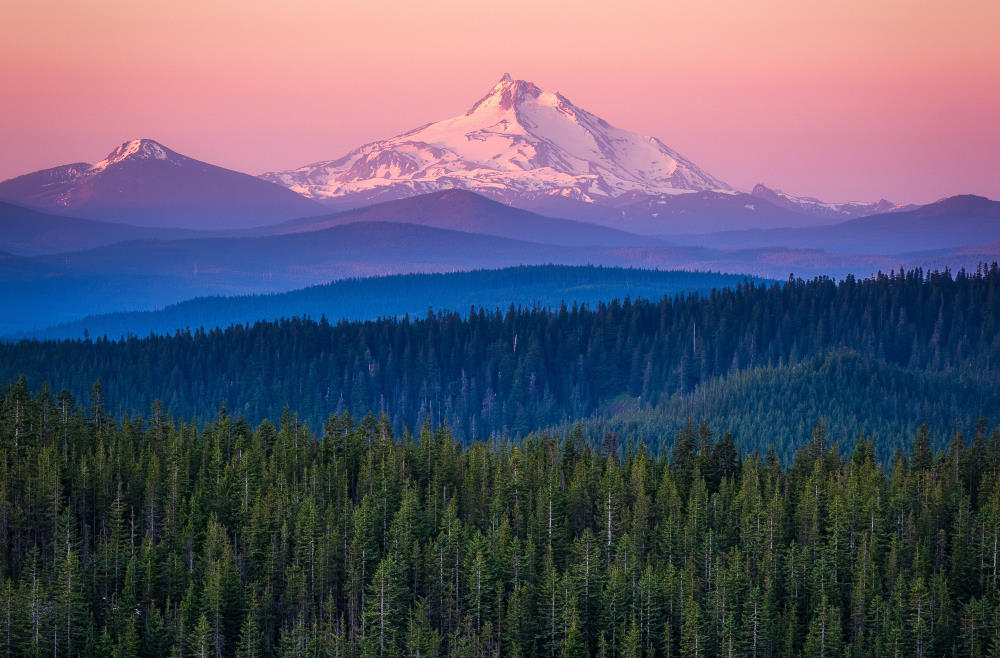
{"x":824,"y":638}
{"x":199,"y":641}
{"x":384,"y":612}
{"x":71,"y":611}
{"x":422,"y":640}
{"x":693,"y":637}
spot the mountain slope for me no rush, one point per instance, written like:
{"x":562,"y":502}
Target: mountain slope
{"x":517,"y":142}
{"x":698,"y":212}
{"x":947,"y":224}
{"x":144,"y":183}
{"x":857,"y":395}
{"x":461,"y":210}
{"x":30,"y":232}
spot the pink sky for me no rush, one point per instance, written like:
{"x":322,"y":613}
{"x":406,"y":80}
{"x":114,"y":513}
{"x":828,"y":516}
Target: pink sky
{"x":848,"y":100}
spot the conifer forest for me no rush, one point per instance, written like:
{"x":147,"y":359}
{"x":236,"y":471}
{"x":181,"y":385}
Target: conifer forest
{"x":805,"y":468}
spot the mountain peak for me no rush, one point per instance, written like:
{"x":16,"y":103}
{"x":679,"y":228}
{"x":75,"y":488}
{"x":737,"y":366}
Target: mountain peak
{"x":517,"y":141}
{"x":135,"y":149}
{"x":505,"y":95}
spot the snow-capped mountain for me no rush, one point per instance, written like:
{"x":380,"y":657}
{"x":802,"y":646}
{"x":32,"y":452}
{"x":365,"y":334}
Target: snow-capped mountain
{"x":144,"y":183}
{"x":518,"y":142}
{"x":831,"y":211}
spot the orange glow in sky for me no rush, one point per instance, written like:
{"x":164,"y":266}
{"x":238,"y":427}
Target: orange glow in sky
{"x":849,"y":100}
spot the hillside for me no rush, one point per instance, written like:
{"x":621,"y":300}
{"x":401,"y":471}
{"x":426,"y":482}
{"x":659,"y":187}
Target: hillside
{"x":29,"y":232}
{"x":777,"y":406}
{"x":411,"y":294}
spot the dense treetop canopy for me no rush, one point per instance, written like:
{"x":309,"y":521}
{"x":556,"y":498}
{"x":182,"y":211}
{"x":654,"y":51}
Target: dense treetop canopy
{"x":162,"y":539}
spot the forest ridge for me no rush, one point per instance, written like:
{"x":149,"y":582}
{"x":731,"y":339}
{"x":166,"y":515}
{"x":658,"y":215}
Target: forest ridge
{"x":930,"y":342}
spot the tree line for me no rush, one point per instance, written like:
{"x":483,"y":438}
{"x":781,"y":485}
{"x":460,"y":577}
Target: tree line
{"x":404,"y":294}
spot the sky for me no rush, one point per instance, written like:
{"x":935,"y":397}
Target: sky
{"x":847,"y":100}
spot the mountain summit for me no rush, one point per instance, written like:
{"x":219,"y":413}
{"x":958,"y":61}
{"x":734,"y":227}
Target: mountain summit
{"x":143,"y":182}
{"x":137,"y":149}
{"x":516,"y":142}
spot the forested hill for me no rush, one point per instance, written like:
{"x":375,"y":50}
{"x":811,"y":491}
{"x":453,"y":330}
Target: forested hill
{"x":776,"y":407}
{"x":493,"y":373}
{"x":161,"y":540}
{"x":405,"y":294}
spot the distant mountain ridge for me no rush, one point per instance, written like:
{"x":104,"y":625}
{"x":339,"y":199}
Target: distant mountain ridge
{"x":29,"y":232}
{"x":147,"y":274}
{"x":959,"y":221}
{"x":519,"y":144}
{"x":144,"y":183}
{"x":831,"y":211}
{"x":461,"y":210}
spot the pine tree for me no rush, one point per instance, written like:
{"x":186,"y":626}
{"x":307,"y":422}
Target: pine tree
{"x":155,"y":641}
{"x":920,"y":620}
{"x":754,"y":641}
{"x":129,"y":644}
{"x":693,"y":638}
{"x":422,"y":640}
{"x":550,"y":607}
{"x":251,"y":640}
{"x":384,"y":613}
{"x":71,"y":613}
{"x":824,"y":639}
{"x":199,"y":642}
{"x":632,"y":643}
{"x":573,"y":643}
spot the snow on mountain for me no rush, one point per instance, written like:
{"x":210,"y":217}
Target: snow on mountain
{"x":517,"y":142}
{"x":138,"y":149}
{"x":144,"y":183}
{"x":832,"y":211}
